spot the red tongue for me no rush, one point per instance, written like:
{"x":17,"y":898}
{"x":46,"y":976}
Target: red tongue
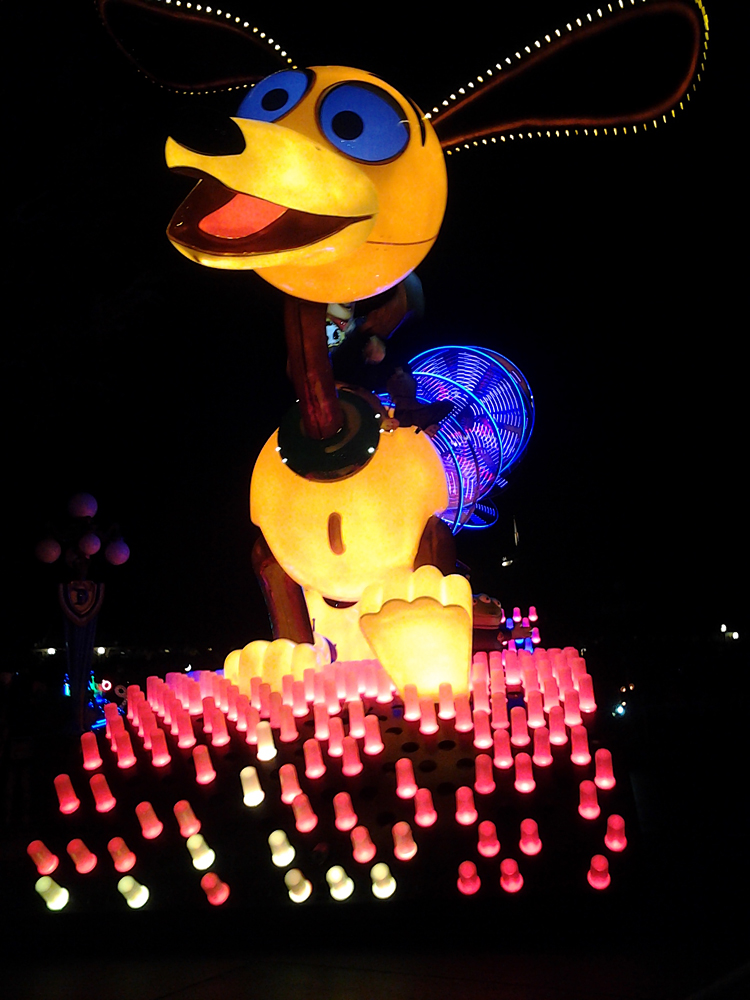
{"x":242,"y":216}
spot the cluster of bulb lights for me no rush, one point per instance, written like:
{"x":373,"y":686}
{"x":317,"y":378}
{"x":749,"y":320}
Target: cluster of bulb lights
{"x":521,"y":706}
{"x":482,"y":80}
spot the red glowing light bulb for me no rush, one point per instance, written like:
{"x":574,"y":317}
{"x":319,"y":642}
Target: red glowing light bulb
{"x":406,"y":785}
{"x":103,"y":797}
{"x":185,"y":734}
{"x":304,"y":818}
{"x":216,"y":891}
{"x":314,"y":766}
{"x":468,"y":880}
{"x":289,"y":781}
{"x":331,"y":697}
{"x":90,"y":748}
{"x":499,"y":705}
{"x":466,"y":814}
{"x":530,"y":842}
{"x":385,"y":691}
{"x":615,"y":838}
{"x":480,"y":696}
{"x":160,"y":755}
{"x":67,"y":798}
{"x":424,"y":809}
{"x":482,"y":730}
{"x":320,"y":715}
{"x":373,"y":740}
{"x":579,"y":745}
{"x":83,"y":858}
{"x":428,"y":723}
{"x":46,"y":862}
{"x":299,"y":700}
{"x":484,"y":779}
{"x":219,"y":734}
{"x":488,"y":845}
{"x":598,"y":874}
{"x":551,"y":694}
{"x":446,"y":707}
{"x":511,"y":880}
{"x":286,"y":689}
{"x":588,"y":805}
{"x":586,"y":693}
{"x":404,"y":845}
{"x":356,"y":718}
{"x":209,"y":707}
{"x":252,"y":717}
{"x":351,"y":764}
{"x":503,"y":756}
{"x":363,"y":848}
{"x":535,"y":708}
{"x":542,"y":755}
{"x":572,"y":708}
{"x":264,"y":692}
{"x":463,"y":721}
{"x":345,"y":816}
{"x":519,"y":732}
{"x":204,"y":769}
{"x":605,"y":776}
{"x":151,"y":825}
{"x":186,"y":818}
{"x":558,"y":735}
{"x":287,"y":726}
{"x":512,"y":668}
{"x":524,"y":780}
{"x":335,"y":737}
{"x":411,"y":703}
{"x":274,"y":712}
{"x":122,"y":857}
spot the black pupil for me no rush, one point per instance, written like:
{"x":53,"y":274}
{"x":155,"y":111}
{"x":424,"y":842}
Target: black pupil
{"x":347,"y":125}
{"x":274,"y":99}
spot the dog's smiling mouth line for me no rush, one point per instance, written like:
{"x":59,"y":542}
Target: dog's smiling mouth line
{"x":216,"y":219}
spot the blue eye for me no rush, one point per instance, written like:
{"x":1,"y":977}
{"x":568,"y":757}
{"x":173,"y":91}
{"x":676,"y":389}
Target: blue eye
{"x":274,"y":96}
{"x":364,"y":122}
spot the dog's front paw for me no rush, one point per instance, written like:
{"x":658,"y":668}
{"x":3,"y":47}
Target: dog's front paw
{"x":420,"y":626}
{"x":271,"y":660}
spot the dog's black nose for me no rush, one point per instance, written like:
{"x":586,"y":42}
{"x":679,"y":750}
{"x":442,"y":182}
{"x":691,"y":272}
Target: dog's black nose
{"x":208,"y":132}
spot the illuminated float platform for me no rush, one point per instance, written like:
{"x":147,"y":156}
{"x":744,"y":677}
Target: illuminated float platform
{"x":335,"y":791}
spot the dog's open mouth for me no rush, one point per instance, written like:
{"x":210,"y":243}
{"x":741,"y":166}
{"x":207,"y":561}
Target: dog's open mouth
{"x":217,"y":220}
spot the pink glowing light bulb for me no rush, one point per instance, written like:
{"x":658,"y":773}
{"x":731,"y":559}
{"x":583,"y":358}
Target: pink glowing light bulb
{"x":468,"y":880}
{"x":90,"y":749}
{"x":535,"y":636}
{"x":519,"y":732}
{"x":204,"y":769}
{"x":466,"y":813}
{"x":160,"y":755}
{"x":517,"y":614}
{"x":446,"y":706}
{"x":189,"y":824}
{"x":385,"y":691}
{"x":588,"y":805}
{"x":482,"y":730}
{"x":67,"y":798}
{"x":511,"y":880}
{"x":209,"y":707}
{"x":605,"y":776}
{"x":373,"y":740}
{"x":125,"y":754}
{"x":304,"y":818}
{"x":558,"y":734}
{"x":484,"y":779}
{"x":404,"y":845}
{"x":488,"y":845}
{"x":219,"y":734}
{"x":151,"y":825}
{"x":542,"y":755}
{"x":499,"y":706}
{"x":289,"y":781}
{"x":480,"y":696}
{"x":287,"y":725}
{"x":572,"y":708}
{"x":351,"y":764}
{"x":535,"y":708}
{"x":274,"y":711}
{"x":122,"y":857}
{"x":463,"y":722}
{"x":363,"y":848}
{"x":185,"y":734}
{"x":579,"y":745}
{"x":533,"y":616}
{"x":424,"y":809}
{"x":314,"y":766}
{"x":503,"y":756}
{"x":46,"y":862}
{"x":320,"y":715}
{"x":252,"y":719}
{"x":406,"y":785}
{"x":103,"y":797}
{"x":411,"y":703}
{"x":356,"y":718}
{"x":83,"y":858}
{"x":586,"y":697}
{"x":598,"y":874}
{"x":217,"y":892}
{"x":615,"y":838}
{"x":345,"y":816}
{"x":299,"y":700}
{"x":428,"y":723}
{"x":530,"y":842}
{"x":524,"y":780}
{"x":335,"y":737}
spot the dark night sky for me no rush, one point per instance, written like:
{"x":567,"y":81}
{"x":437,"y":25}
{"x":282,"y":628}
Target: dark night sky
{"x":601,"y":268}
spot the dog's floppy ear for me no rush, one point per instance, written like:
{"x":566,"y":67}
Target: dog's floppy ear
{"x":191,"y":46}
{"x":627,"y":63}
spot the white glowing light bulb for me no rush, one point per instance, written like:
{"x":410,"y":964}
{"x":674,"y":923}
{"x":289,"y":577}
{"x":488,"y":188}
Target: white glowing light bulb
{"x":339,"y":883}
{"x":202,"y":855}
{"x":383,"y":883}
{"x":282,"y":852}
{"x":54,"y":895}
{"x":135,"y":894}
{"x":252,"y":793}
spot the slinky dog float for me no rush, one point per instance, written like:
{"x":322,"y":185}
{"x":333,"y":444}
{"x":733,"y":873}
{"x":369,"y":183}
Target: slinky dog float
{"x":332,"y":186}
